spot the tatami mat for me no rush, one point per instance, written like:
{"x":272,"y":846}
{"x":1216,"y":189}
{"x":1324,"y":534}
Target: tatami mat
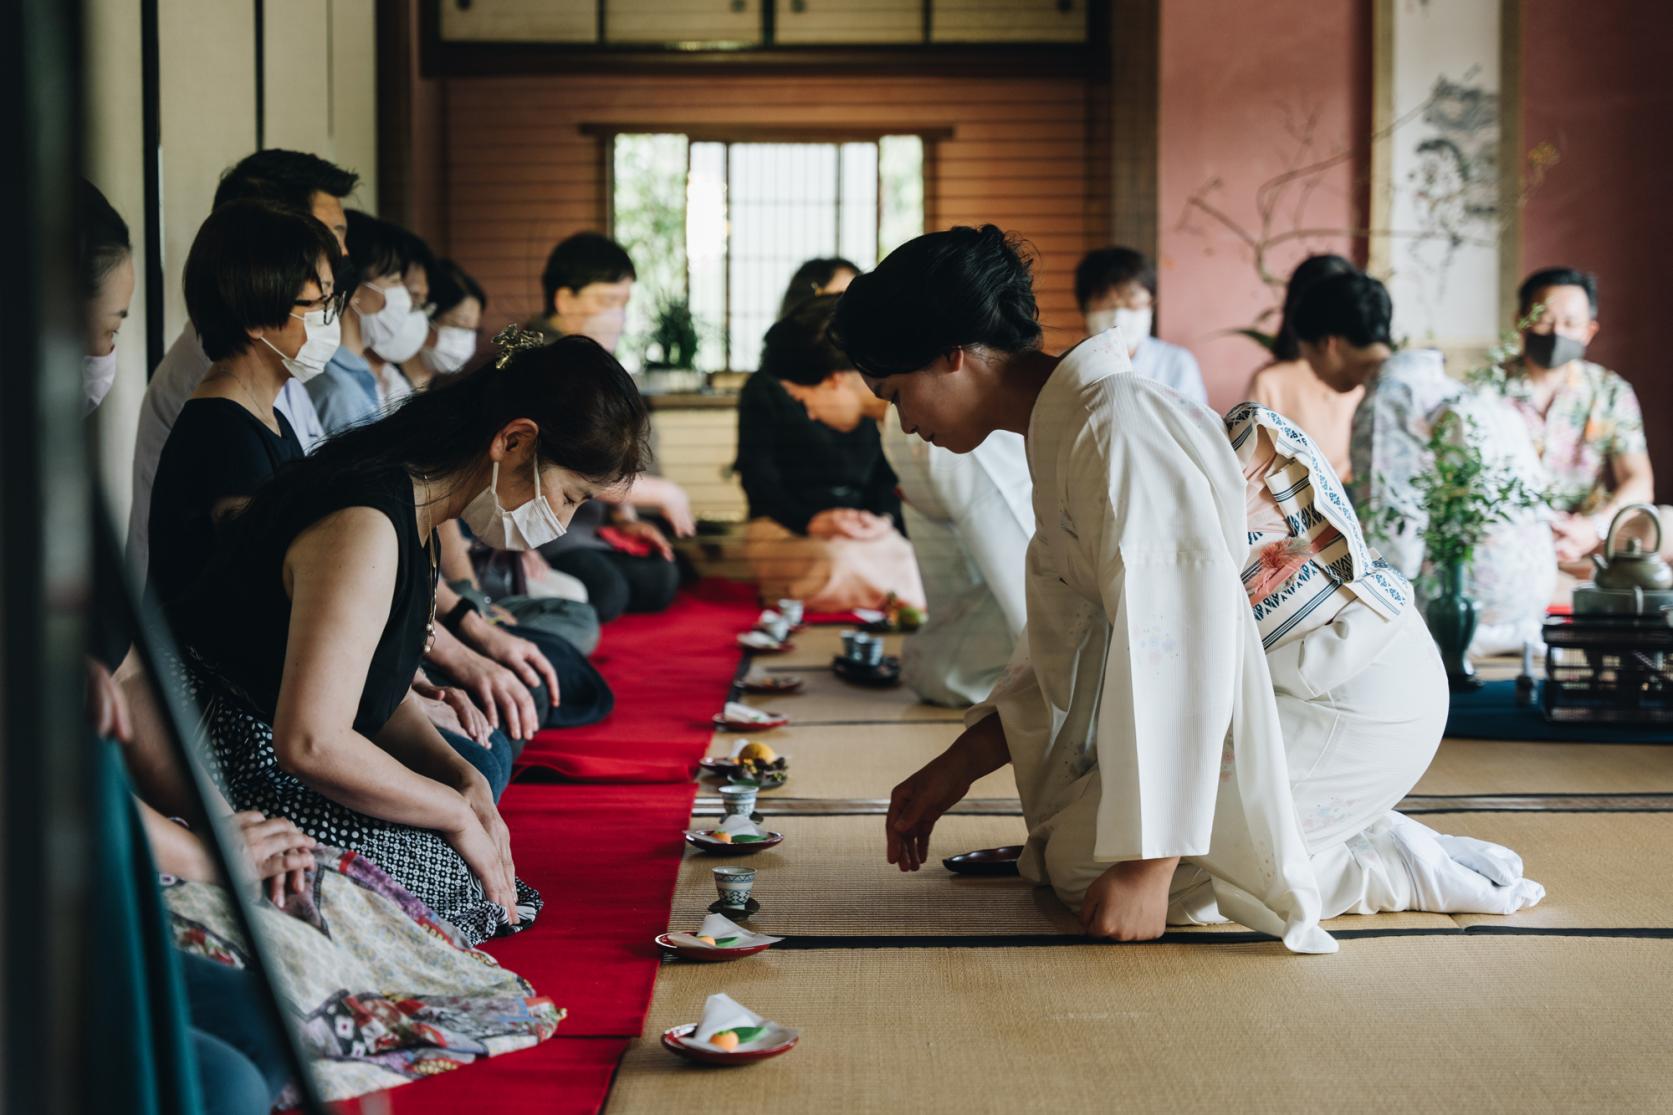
{"x":1485,"y":767}
{"x":1425,"y":1024}
{"x":860,"y":761}
{"x":814,"y":646}
{"x":830,"y":879}
{"x":1600,"y":870}
{"x":827,"y":699}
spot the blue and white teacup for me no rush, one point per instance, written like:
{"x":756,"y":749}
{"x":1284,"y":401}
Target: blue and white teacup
{"x":734,"y":885}
{"x":738,"y":801}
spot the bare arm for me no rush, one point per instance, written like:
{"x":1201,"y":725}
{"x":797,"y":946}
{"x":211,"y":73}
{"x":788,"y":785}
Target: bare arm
{"x":341,"y":575}
{"x":924,"y":798}
{"x":455,"y":560}
{"x":1635,"y":482}
{"x":411,"y":738}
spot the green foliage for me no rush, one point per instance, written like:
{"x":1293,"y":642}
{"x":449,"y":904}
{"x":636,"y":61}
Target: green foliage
{"x":1493,"y":374}
{"x":674,"y":336}
{"x":1462,"y":496}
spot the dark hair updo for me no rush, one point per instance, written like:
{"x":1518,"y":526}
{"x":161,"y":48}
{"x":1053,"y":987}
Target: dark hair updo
{"x":1352,"y":305}
{"x":941,"y":291}
{"x":591,"y":417}
{"x":1306,"y":273}
{"x":798,"y":348}
{"x":811,"y":278}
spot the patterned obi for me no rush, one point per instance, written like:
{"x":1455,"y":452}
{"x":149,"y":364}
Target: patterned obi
{"x":1300,"y":577}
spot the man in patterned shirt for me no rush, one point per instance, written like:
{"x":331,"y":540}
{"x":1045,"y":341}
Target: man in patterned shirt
{"x":1583,"y":418}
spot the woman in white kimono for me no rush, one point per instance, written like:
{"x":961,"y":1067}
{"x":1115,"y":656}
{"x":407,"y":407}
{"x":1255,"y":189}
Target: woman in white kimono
{"x":1222,"y":691}
{"x":970,"y":517}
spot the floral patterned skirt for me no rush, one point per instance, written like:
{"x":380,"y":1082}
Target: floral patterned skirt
{"x":381,"y":990}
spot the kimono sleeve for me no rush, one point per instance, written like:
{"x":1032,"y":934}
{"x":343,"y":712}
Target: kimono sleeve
{"x":1173,"y":600}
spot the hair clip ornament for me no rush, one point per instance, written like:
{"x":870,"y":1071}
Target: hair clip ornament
{"x":514,"y":339}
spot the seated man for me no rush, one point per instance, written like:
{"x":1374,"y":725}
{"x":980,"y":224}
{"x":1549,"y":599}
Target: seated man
{"x":1287,"y":385}
{"x":295,"y":180}
{"x":1341,"y":324}
{"x":1117,"y":287}
{"x":1583,"y":418}
{"x":379,"y":325}
{"x":629,"y":567}
{"x":970,"y":518}
{"x":823,"y":511}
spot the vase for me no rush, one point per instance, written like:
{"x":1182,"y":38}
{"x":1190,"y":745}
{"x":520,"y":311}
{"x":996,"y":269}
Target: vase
{"x":1452,"y":621}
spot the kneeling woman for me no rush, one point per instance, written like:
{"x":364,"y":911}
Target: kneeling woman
{"x":302,"y":637}
{"x":1221,"y":693}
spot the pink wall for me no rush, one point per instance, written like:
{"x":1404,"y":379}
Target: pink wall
{"x":1601,"y":91}
{"x":1234,"y":77}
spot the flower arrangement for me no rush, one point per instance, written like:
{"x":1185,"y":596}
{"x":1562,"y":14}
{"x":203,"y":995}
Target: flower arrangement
{"x":1462,"y":496}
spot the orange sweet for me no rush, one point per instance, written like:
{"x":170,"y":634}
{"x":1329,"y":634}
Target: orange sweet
{"x":720,"y":837}
{"x":726,"y":1039}
{"x":705,"y":938}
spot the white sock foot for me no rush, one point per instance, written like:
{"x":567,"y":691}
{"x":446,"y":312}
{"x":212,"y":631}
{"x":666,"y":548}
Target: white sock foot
{"x":1460,"y":875}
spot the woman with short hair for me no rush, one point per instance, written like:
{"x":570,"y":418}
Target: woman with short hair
{"x":1222,"y":692}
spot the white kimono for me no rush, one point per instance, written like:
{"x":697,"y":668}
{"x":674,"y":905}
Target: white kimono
{"x":1140,"y":713}
{"x":970,"y":517}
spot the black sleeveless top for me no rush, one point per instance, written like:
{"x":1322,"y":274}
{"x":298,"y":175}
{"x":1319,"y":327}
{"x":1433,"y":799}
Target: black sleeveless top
{"x":236,"y":617}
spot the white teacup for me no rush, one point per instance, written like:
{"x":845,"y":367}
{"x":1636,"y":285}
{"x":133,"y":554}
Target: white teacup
{"x":738,"y":801}
{"x":734,"y":885}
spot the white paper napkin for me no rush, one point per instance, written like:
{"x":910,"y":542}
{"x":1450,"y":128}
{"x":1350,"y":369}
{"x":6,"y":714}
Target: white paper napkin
{"x":868,"y":615}
{"x":738,"y":825}
{"x":722,"y":928}
{"x":737,"y":710}
{"x":722,"y":1012}
{"x":759,"y":640}
{"x":766,"y":617}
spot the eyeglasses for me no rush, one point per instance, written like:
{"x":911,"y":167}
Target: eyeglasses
{"x":331,"y":305}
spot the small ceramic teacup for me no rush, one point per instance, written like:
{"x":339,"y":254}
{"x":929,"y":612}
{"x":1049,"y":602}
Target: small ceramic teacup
{"x":734,"y":885}
{"x":738,"y":801}
{"x":868,"y":649}
{"x":850,"y":643}
{"x":791,"y":610}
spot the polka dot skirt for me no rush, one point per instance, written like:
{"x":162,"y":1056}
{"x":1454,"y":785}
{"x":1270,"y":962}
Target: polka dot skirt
{"x":245,"y":767}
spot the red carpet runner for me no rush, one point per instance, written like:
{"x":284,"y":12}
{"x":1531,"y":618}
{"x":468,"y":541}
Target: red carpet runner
{"x":605,"y":853}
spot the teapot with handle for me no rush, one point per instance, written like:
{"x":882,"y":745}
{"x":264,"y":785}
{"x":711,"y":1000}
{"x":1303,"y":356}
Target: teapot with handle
{"x":1632,"y":566}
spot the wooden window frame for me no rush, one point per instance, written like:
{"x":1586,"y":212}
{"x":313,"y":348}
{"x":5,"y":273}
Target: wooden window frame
{"x":440,"y":58}
{"x":729,"y":134}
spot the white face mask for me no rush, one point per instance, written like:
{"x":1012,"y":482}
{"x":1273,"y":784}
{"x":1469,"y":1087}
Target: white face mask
{"x":317,"y":350}
{"x":97,"y":374}
{"x":397,"y":331}
{"x":454,"y":347}
{"x":1134,"y":326}
{"x":528,"y":527}
{"x":1098,"y":320}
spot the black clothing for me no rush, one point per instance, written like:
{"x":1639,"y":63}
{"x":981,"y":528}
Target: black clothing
{"x":217,"y":450}
{"x":236,"y":617}
{"x":618,"y":582}
{"x":793,"y":467}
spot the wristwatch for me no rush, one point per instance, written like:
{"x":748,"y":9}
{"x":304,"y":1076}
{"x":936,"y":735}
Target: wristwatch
{"x":458,"y":612}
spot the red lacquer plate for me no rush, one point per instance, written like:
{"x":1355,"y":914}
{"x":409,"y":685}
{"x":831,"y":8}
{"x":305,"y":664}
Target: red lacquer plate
{"x":707,"y":956}
{"x":674,"y":1041}
{"x":773,"y":683}
{"x":720,"y":721}
{"x":704,"y":843}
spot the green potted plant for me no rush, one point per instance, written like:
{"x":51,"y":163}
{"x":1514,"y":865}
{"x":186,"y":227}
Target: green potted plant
{"x":675,"y":335}
{"x":1461,"y":498}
